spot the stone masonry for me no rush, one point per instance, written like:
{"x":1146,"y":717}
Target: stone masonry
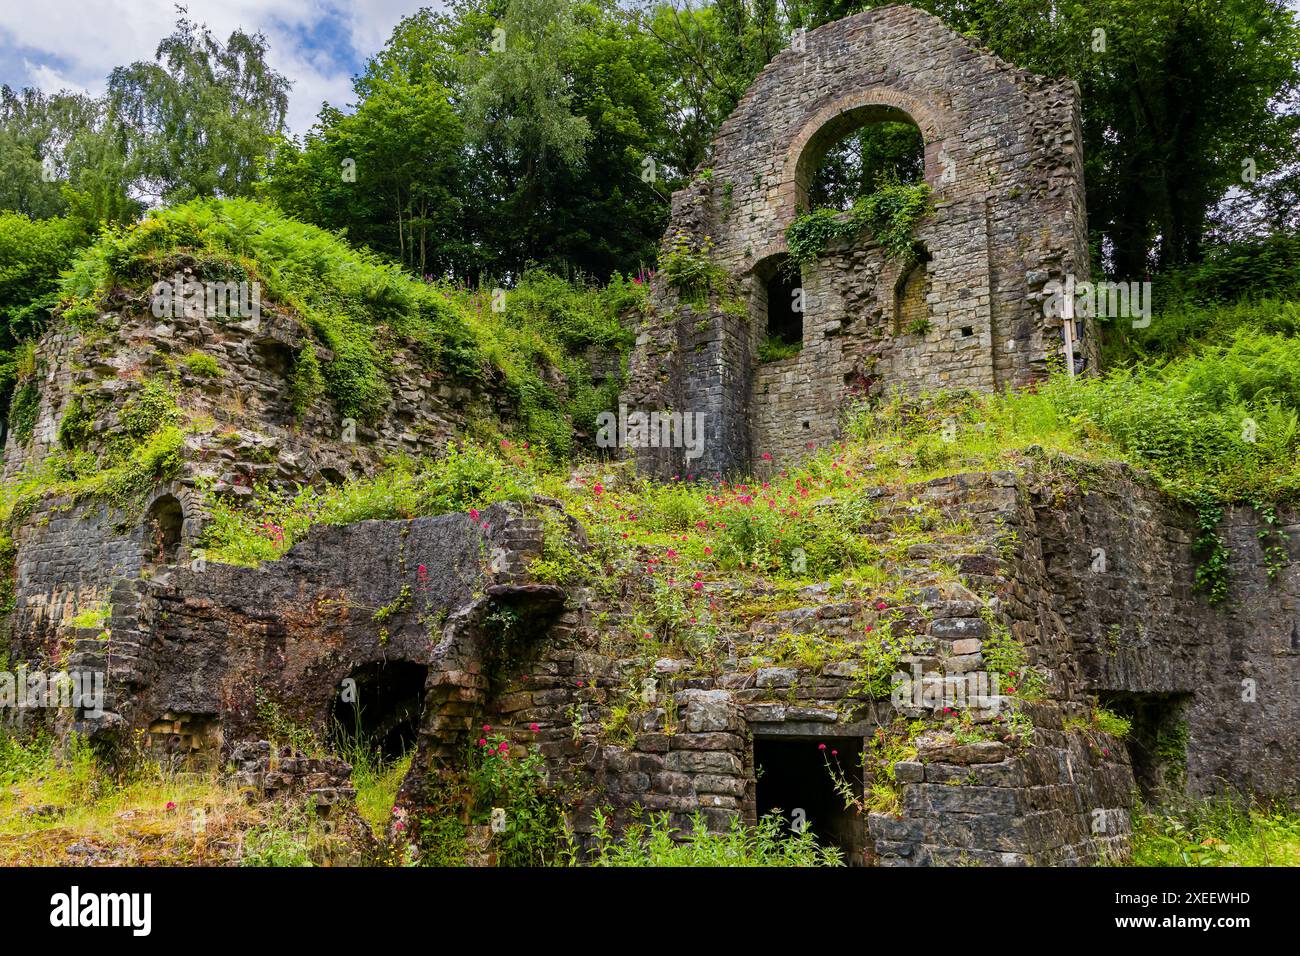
{"x":1003,"y":160}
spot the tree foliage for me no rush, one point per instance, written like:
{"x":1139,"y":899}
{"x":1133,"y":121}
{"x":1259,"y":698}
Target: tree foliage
{"x":199,"y":119}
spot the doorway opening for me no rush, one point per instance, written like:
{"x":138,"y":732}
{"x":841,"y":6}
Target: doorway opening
{"x":792,"y":781}
{"x":1157,"y":743}
{"x":378,"y":707}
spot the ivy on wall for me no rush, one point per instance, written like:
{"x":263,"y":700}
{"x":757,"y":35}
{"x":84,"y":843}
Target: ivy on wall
{"x":890,"y":215}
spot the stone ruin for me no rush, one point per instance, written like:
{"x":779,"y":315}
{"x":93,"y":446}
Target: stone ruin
{"x":1003,"y":158}
{"x":410,"y":613}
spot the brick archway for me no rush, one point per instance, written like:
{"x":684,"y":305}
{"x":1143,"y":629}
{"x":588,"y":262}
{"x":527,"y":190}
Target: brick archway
{"x":173,"y":522}
{"x":848,"y":113}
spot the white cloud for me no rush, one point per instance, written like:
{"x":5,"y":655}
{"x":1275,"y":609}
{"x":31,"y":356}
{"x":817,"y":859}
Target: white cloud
{"x":48,"y":78}
{"x":74,"y":44}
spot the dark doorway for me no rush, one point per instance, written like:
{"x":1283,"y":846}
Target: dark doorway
{"x":162,"y":531}
{"x":784,"y":308}
{"x":794,"y":781}
{"x":1157,"y":744}
{"x":380,"y":709}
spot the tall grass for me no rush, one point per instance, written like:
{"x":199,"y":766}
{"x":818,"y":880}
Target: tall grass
{"x":1217,"y":832}
{"x":656,"y":843}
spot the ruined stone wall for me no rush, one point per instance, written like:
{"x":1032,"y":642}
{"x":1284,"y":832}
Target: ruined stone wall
{"x":1002,"y":156}
{"x":69,"y":558}
{"x":679,"y":734}
{"x":1062,"y":796}
{"x":241,"y":430}
{"x":253,"y":434}
{"x":293,"y":629}
{"x":1112,"y":573}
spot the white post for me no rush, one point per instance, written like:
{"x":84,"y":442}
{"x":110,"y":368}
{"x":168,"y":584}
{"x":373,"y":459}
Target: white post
{"x":1069,"y":330}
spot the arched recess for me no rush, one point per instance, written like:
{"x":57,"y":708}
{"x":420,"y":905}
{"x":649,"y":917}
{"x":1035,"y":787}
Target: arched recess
{"x":164,"y":524}
{"x":911,"y":306}
{"x":171,"y":527}
{"x":379,"y":707}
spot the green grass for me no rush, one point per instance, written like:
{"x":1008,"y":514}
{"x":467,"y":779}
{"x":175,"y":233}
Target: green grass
{"x":377,"y":784}
{"x":1216,"y":833}
{"x":465,"y":477}
{"x":653,"y":844}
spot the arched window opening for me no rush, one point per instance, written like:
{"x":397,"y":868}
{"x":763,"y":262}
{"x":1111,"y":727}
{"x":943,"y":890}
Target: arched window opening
{"x":857,"y":153}
{"x":866,"y":159}
{"x":162,"y":531}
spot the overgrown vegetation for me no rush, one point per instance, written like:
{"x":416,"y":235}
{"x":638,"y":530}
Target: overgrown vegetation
{"x":889,"y":214}
{"x":1216,"y":832}
{"x":656,"y":843}
{"x":363,"y":308}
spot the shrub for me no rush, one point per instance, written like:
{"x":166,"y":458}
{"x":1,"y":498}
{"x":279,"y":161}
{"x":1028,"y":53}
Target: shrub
{"x":512,"y":779}
{"x":689,"y":269}
{"x":22,"y":412}
{"x":77,"y":425}
{"x":890,"y":214}
{"x":202,"y":364}
{"x":307,"y":384}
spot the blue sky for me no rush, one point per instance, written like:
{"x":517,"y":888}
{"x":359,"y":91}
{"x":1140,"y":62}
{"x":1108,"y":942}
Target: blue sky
{"x":318,"y":44}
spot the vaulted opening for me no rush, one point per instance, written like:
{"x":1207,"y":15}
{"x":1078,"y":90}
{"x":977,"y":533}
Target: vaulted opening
{"x":377,"y":707}
{"x":162,"y":531}
{"x":793,"y":782}
{"x":275,"y":357}
{"x":856,"y":153}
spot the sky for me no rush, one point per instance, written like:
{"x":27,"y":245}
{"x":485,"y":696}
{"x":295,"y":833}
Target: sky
{"x":318,"y":44}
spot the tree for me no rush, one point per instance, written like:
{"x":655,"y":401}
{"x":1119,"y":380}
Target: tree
{"x":713,"y":53}
{"x":33,"y":252}
{"x":482,"y":153}
{"x":57,"y":157}
{"x":390,"y":174}
{"x":202,"y":118}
